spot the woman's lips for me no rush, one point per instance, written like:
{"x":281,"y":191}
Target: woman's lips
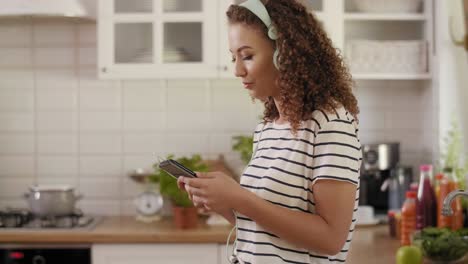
{"x":247,"y":85}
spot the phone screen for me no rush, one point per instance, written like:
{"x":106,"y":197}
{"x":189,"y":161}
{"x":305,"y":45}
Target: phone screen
{"x":176,"y":169}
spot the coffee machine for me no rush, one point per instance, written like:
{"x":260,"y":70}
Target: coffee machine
{"x":383,"y":182}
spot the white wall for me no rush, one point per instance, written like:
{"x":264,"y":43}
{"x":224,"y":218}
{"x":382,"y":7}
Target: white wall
{"x":59,"y":124}
{"x":453,"y":71}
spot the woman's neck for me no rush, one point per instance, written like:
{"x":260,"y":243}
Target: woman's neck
{"x":281,"y":119}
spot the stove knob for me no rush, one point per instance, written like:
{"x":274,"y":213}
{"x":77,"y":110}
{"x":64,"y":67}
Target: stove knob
{"x":38,"y":259}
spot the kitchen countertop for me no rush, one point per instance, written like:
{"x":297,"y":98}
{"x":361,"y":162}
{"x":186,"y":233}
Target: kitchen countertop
{"x":372,"y":244}
{"x":123,"y":229}
{"x":369,"y":243}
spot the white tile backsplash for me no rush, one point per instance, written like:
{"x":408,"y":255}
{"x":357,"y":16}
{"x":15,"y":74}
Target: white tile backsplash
{"x":57,"y":97}
{"x":14,"y":187}
{"x":96,"y":97}
{"x":144,"y":95}
{"x":144,"y":121}
{"x":57,"y":57}
{"x":100,"y":121}
{"x":137,"y":143}
{"x":102,"y":166}
{"x":60,"y":124}
{"x":87,"y":56}
{"x":62,"y":166}
{"x":87,"y":34}
{"x":100,"y":187}
{"x":50,"y":33}
{"x":15,"y":57}
{"x":187,"y":122}
{"x":57,"y":121}
{"x":18,"y":166}
{"x":103,"y":143}
{"x":16,"y":96}
{"x":14,"y":33}
{"x":17,"y":143}
{"x":16,"y":121}
{"x":57,"y":143}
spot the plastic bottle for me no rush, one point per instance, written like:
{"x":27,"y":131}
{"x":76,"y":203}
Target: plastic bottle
{"x":426,"y":205}
{"x":444,"y":189}
{"x":438,"y":179}
{"x":457,"y":217}
{"x":408,"y":218}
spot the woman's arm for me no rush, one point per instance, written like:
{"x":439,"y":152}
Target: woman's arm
{"x":324,"y":232}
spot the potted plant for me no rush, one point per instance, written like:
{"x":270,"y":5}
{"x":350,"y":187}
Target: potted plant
{"x":184,"y":213}
{"x":243,"y":145}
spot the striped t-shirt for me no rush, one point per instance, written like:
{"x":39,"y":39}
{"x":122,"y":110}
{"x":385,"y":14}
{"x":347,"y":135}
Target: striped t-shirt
{"x":283,"y":170}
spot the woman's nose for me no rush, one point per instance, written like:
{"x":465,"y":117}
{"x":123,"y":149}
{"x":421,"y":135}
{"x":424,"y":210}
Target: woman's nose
{"x":239,"y":69}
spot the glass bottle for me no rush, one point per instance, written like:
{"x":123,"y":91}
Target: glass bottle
{"x":426,"y":205}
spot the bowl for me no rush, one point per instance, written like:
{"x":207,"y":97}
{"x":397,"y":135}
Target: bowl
{"x":442,"y":245}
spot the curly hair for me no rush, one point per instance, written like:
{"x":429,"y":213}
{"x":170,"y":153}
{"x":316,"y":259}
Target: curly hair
{"x":312,"y":73}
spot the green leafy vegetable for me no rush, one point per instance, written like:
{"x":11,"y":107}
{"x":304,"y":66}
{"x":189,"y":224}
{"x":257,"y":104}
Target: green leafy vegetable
{"x":442,"y":244}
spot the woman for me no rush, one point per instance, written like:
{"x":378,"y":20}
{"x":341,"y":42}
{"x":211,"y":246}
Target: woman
{"x":297,"y":198}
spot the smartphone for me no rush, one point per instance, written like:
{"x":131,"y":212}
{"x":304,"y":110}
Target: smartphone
{"x":176,"y":169}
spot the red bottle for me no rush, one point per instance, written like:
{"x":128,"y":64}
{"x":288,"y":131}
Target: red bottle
{"x":426,"y":204}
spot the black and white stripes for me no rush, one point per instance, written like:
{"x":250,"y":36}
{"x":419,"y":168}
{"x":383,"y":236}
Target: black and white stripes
{"x":283,"y":171}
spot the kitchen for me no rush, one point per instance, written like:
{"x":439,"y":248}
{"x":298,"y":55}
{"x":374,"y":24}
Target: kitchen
{"x":81,"y":105}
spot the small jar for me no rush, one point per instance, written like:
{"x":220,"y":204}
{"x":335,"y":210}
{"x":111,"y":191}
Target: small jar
{"x":392,"y":223}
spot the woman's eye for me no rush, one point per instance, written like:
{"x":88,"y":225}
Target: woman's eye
{"x":249,"y":57}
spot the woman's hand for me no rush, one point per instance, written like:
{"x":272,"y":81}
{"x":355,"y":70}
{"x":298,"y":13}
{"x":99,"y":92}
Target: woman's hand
{"x":214,"y":191}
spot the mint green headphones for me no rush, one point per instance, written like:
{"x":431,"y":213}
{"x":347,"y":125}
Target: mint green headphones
{"x":257,"y":7}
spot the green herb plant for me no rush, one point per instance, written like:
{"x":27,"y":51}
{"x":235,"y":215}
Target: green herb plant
{"x":442,"y":244}
{"x":168,"y":184}
{"x":243,"y":145}
{"x":451,"y":156}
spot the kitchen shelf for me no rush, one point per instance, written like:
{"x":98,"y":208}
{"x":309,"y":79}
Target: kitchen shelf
{"x":391,"y":76}
{"x":385,"y":16}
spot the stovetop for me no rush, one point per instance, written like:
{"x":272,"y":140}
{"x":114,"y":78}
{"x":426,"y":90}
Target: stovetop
{"x":18,"y":219}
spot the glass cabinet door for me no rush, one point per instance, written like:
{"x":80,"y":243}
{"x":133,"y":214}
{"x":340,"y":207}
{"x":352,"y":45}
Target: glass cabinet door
{"x":133,"y":43}
{"x":182,"y":6}
{"x":133,"y":6}
{"x":157,"y":38}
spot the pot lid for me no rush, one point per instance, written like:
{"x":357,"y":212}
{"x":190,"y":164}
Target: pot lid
{"x":51,"y":187}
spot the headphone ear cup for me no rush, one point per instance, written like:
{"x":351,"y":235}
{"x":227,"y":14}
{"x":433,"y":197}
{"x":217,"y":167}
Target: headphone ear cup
{"x":275,"y":59}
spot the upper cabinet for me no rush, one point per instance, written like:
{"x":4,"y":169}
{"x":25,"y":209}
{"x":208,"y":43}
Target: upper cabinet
{"x":157,"y":39}
{"x":147,"y":39}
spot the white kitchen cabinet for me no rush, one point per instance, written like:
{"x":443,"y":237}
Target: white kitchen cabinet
{"x":155,"y":254}
{"x":402,"y":27}
{"x":148,"y":39}
{"x":157,"y":39}
{"x":222,"y":259}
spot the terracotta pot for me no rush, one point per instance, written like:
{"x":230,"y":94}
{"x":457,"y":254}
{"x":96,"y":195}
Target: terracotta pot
{"x":185,"y":217}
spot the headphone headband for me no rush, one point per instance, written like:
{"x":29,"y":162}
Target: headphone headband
{"x":257,"y":7}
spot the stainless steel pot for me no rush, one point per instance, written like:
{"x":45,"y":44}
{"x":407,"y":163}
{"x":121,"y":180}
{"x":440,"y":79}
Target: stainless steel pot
{"x":52,"y":200}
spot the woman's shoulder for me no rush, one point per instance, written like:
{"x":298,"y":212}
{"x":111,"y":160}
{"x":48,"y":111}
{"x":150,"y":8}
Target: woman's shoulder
{"x":320,"y":118}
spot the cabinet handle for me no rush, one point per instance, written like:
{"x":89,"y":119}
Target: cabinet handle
{"x":104,"y":69}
